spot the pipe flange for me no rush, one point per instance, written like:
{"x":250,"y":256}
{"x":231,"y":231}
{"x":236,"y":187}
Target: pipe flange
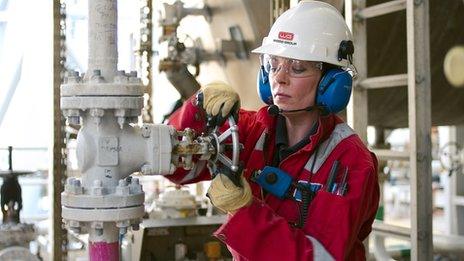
{"x":126,"y":194}
{"x":102,"y":89}
{"x":102,"y":201}
{"x":159,"y":150}
{"x":102,"y":215}
{"x":103,"y":102}
{"x":17,"y":253}
{"x":15,"y":234}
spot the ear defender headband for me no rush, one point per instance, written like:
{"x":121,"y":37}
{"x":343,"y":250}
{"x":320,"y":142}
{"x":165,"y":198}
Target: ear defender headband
{"x":334,"y":90}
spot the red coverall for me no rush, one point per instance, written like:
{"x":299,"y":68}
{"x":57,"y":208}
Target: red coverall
{"x":261,"y":231}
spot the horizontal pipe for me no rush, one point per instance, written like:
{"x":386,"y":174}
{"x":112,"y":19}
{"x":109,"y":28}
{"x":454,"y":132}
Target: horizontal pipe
{"x":388,"y":230}
{"x":441,"y":243}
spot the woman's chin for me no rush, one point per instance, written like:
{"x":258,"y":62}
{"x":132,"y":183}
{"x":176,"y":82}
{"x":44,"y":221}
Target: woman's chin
{"x":284,"y":106}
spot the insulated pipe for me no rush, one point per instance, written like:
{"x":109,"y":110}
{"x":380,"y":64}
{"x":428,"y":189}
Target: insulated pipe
{"x":103,"y":48}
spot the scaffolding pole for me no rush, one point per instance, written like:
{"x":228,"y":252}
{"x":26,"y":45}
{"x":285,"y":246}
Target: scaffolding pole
{"x":419,"y":101}
{"x":58,"y":167}
{"x":419,"y":104}
{"x":357,"y":113}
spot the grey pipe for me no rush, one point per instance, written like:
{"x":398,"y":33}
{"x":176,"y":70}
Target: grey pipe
{"x":183,"y":81}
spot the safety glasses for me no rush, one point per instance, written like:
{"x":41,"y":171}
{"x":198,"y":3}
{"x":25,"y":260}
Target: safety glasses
{"x":294,"y":68}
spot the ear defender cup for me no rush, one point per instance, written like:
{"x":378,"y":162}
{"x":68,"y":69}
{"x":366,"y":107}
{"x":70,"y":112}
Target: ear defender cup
{"x":263,"y":86}
{"x":333,"y":92}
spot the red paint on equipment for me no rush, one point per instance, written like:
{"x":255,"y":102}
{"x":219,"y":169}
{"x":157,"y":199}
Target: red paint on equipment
{"x":102,"y":251}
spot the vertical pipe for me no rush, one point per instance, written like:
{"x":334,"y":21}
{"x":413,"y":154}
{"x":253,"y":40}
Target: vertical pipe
{"x":103,"y":61}
{"x":104,"y":247}
{"x":357,"y":111}
{"x":103,"y":48}
{"x":10,"y":158}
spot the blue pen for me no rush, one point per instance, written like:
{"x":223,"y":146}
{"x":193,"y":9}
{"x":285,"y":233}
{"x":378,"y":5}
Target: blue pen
{"x":343,"y":184}
{"x":334,"y":188}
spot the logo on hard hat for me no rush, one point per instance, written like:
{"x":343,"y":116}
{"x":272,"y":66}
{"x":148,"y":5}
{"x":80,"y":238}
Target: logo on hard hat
{"x":286,"y":36}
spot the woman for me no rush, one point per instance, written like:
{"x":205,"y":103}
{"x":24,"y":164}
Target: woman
{"x":309,"y":185}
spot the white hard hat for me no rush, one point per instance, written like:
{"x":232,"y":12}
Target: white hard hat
{"x":310,"y":31}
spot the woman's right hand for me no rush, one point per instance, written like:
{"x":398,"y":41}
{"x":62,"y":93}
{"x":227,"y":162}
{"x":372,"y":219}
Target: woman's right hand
{"x":220,"y":101}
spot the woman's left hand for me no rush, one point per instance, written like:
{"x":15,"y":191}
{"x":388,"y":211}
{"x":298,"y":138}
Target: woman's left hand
{"x":228,"y":197}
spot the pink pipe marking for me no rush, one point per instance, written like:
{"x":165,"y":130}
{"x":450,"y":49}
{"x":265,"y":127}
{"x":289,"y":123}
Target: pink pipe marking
{"x":102,"y":251}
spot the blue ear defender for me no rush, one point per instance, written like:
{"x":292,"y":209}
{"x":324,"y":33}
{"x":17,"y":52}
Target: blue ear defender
{"x":263,"y":86}
{"x":333,"y":92}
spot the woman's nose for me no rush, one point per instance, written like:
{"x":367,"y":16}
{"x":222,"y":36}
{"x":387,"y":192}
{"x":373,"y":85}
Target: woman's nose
{"x":281,"y":76}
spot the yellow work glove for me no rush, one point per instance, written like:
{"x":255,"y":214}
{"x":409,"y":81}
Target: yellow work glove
{"x":219,"y":101}
{"x":228,"y":197}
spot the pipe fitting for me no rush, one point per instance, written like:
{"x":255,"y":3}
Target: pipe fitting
{"x":146,"y":131}
{"x":97,"y":112}
{"x":75,"y":120}
{"x":122,"y":188}
{"x":133,"y":78}
{"x":73,"y":186}
{"x":121,"y":77}
{"x":123,"y":225}
{"x":121,"y":121}
{"x":73,"y":116}
{"x":97,"y":189}
{"x":73,"y":224}
{"x":133,"y":119}
{"x":98,"y":226}
{"x":97,"y":115}
{"x":135,"y":227}
{"x":73,"y":77}
{"x":67,"y":187}
{"x":135,"y":186}
{"x":96,"y":76}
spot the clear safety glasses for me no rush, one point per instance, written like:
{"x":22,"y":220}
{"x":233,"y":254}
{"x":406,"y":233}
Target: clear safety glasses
{"x":294,"y":68}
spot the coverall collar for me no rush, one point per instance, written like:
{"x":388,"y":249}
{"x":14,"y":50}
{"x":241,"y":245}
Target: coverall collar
{"x":281,"y":140}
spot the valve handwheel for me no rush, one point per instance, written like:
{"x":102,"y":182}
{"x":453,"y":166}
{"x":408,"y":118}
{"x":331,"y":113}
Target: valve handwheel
{"x":220,"y":145}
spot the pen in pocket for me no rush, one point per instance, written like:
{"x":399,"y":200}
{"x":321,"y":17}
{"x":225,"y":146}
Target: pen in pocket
{"x":344,"y":184}
{"x":331,"y":178}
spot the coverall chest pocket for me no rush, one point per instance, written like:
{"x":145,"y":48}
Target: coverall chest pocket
{"x":329,"y":216}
